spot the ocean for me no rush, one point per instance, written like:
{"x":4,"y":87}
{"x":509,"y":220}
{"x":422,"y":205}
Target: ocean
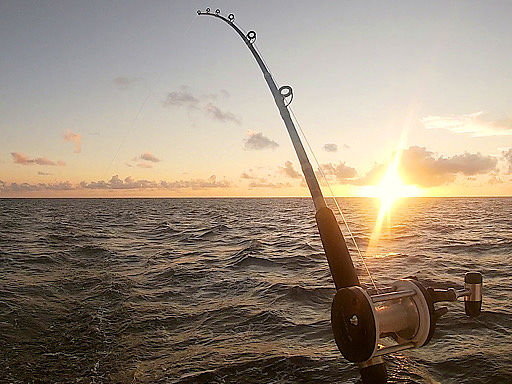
{"x":235,"y":290}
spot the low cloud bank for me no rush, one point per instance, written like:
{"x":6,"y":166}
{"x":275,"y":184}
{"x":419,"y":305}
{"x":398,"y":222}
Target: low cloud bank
{"x":117,"y":183}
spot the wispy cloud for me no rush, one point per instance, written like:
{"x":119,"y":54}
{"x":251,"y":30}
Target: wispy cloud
{"x":289,"y":171}
{"x":216,"y":113}
{"x":185,"y":98}
{"x":20,"y":158}
{"x":181,"y":98}
{"x":476,"y":124}
{"x":144,"y":160}
{"x":330,"y":147}
{"x":257,"y":141}
{"x":124,"y":82}
{"x":74,"y":138}
{"x":147,"y":156}
{"x":43,"y":173}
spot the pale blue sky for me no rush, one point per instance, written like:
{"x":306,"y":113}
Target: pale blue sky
{"x":359,"y":71}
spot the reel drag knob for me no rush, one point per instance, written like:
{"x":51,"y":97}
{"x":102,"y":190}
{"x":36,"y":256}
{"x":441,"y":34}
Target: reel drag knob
{"x":473,"y":301}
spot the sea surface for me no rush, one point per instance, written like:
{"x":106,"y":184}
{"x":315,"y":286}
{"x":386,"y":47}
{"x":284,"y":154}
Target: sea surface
{"x":235,"y":290}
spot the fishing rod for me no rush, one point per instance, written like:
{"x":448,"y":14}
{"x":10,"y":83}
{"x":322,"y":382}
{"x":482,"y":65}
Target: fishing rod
{"x":363,"y":323}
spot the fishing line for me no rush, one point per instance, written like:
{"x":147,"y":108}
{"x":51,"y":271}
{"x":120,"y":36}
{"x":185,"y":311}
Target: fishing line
{"x":132,"y":124}
{"x":325,"y":180}
{"x":335,"y":201}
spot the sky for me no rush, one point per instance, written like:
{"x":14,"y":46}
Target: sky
{"x":133,"y":98}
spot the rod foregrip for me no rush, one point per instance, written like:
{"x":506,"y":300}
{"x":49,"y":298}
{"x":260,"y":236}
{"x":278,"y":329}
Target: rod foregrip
{"x":336,"y":251}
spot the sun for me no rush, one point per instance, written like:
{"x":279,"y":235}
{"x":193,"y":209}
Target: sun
{"x":390,"y":188}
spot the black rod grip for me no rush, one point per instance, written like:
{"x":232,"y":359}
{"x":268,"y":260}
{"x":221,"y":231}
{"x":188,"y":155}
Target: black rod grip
{"x":336,"y":251}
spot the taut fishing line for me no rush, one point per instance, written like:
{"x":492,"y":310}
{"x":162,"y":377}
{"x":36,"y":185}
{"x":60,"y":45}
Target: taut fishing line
{"x":139,"y":113}
{"x":325,"y":180}
{"x":335,"y":201}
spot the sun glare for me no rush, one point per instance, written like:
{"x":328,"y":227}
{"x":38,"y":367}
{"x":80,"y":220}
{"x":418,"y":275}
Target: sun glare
{"x":390,"y":188}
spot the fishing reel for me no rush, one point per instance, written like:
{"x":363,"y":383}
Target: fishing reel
{"x":406,"y":315}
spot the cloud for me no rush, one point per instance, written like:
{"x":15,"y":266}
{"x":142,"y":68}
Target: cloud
{"x":475,"y":124}
{"x":129,"y":183}
{"x":26,"y":187}
{"x":289,"y":171}
{"x":116,"y":183}
{"x":43,"y":173}
{"x":245,"y":175}
{"x":149,"y":157}
{"x":420,"y":167}
{"x":495,"y":180}
{"x":184,"y":98}
{"x":181,"y":98}
{"x":123,"y":82}
{"x":143,"y":160}
{"x":20,"y":158}
{"x":215,"y":113}
{"x":331,"y":148}
{"x":257,"y":141}
{"x":265,"y":184}
{"x":341,"y":171}
{"x":211,"y":182}
{"x":74,"y":138}
{"x":507,"y":155}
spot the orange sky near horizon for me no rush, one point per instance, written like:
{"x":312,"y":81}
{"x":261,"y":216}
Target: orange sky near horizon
{"x":149,"y":100}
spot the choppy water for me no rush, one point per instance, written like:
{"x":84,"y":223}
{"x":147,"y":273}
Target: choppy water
{"x":234,"y":290}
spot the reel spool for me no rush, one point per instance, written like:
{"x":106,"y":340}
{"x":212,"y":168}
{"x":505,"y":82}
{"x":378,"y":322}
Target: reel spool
{"x":406,"y":314}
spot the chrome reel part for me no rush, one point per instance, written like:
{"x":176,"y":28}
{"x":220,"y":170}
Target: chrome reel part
{"x":405,"y":315}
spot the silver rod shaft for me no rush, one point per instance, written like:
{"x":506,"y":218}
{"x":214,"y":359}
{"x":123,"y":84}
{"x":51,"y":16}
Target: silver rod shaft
{"x":307,"y":169}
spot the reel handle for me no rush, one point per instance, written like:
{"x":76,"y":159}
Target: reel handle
{"x":473,"y":301}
